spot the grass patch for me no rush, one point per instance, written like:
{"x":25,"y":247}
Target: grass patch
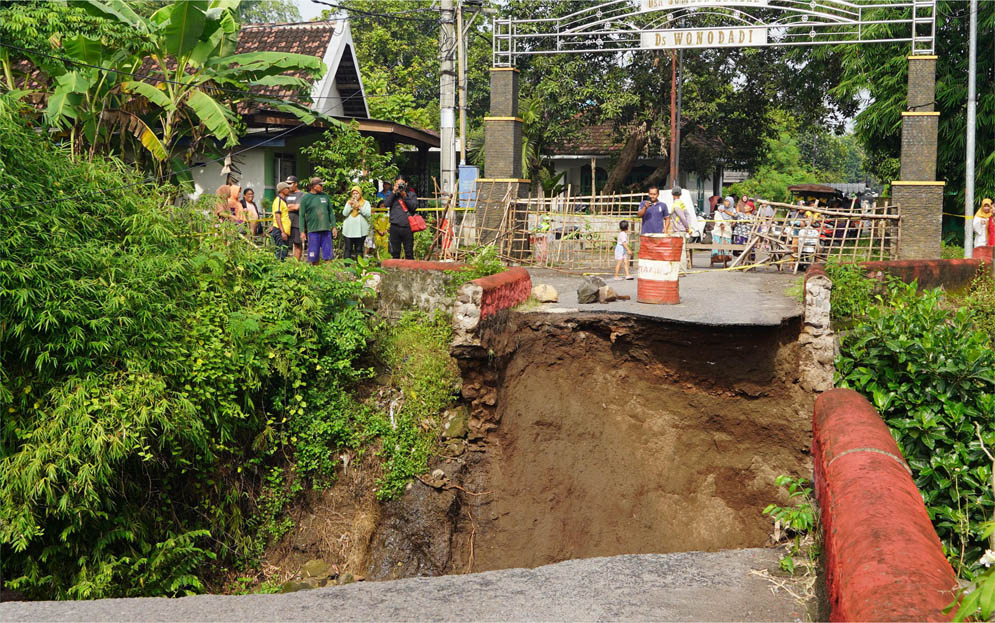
{"x":796,"y":290}
{"x":529,"y":304}
{"x":425,"y":381}
{"x":480,"y":262}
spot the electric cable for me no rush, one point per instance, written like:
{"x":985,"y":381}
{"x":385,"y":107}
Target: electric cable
{"x":384,"y":15}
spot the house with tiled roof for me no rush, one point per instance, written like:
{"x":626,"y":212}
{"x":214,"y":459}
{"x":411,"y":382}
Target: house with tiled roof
{"x":592,"y":153}
{"x":276,"y":138}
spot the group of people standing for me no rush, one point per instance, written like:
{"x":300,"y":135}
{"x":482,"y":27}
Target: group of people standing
{"x":238,"y":206}
{"x":659,"y":217}
{"x":734,"y":219}
{"x":307,"y":220}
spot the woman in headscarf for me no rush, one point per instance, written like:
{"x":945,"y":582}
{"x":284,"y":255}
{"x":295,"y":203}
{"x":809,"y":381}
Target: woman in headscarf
{"x":221,"y":203}
{"x":357,"y":225}
{"x":234,"y":205}
{"x":744,"y":218}
{"x":982,"y":225}
{"x":722,"y":231}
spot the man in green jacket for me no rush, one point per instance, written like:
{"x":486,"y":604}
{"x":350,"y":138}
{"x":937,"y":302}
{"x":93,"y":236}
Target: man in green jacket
{"x":318,"y":222}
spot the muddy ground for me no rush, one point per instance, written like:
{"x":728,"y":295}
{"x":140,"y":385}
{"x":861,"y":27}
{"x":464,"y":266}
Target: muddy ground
{"x":590,"y":435}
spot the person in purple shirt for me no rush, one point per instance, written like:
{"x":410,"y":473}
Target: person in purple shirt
{"x":655,"y":214}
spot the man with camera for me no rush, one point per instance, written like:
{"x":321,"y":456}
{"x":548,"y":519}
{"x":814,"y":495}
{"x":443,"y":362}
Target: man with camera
{"x":401,"y":203}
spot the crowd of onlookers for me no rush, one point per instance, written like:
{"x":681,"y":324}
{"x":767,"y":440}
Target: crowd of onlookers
{"x":731,"y":222}
{"x":305,"y":221}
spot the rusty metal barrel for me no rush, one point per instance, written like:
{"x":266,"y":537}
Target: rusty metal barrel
{"x":659,"y":264}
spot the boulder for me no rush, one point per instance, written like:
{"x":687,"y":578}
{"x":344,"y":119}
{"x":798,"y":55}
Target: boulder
{"x":318,"y":569}
{"x":455,"y":425}
{"x":587,"y":292}
{"x":292,"y":586}
{"x":545,"y":293}
{"x":606,"y":294}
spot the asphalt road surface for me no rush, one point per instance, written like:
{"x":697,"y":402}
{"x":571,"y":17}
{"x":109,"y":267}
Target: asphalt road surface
{"x":708,"y":297}
{"x":691,"y":586}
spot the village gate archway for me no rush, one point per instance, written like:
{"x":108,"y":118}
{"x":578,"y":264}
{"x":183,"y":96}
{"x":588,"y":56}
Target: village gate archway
{"x":633,"y":25}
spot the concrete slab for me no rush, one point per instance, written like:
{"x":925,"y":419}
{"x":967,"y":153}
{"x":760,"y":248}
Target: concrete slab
{"x":708,"y":297}
{"x":690,"y":586}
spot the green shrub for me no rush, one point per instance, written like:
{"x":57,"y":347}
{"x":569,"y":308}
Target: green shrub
{"x":981,"y":301}
{"x":930,"y":372}
{"x":853,"y":291}
{"x":951,"y":251}
{"x":154,"y":370}
{"x":480,"y":262}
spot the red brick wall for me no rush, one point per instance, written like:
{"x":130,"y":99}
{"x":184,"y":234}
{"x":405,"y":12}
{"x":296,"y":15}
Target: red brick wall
{"x":883,"y":559}
{"x":420,"y":265}
{"x":951,"y":274}
{"x":503,"y":290}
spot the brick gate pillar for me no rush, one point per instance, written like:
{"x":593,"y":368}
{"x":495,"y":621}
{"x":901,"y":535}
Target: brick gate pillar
{"x":919,"y":193}
{"x":502,"y":152}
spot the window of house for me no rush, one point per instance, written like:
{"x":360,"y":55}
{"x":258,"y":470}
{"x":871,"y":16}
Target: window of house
{"x":284,"y":165}
{"x":601,"y":176}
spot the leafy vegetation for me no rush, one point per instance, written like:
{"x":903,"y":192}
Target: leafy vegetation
{"x":930,"y":372}
{"x":480,"y":262}
{"x":798,"y":521}
{"x":336,"y":156}
{"x":881,"y":72}
{"x":853,"y":292}
{"x":154,"y":372}
{"x":178,"y":84}
{"x":977,"y":600}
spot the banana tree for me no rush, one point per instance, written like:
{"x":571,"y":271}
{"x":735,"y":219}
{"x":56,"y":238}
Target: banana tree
{"x":87,"y":100}
{"x":185,"y":87}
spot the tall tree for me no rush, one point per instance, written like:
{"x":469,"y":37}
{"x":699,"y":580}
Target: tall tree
{"x":397,"y":45}
{"x":268,"y":12}
{"x":882,"y":72}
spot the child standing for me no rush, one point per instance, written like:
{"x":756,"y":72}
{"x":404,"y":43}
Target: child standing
{"x":622,"y":250}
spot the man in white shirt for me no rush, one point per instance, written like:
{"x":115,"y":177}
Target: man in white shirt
{"x":692,"y":214}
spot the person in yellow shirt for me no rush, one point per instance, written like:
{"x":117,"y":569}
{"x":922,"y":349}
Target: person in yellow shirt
{"x":280,"y":233}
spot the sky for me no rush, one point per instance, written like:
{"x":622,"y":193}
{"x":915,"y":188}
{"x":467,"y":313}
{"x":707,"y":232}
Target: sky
{"x":309,"y":10}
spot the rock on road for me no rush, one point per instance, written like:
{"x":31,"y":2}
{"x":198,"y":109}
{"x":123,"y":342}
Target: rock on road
{"x":690,"y":586}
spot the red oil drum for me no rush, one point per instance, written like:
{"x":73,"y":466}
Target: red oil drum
{"x":659,"y":264}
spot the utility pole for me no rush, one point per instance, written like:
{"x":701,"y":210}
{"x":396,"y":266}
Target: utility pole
{"x":447,"y":97}
{"x":680,"y":100}
{"x":673,"y":117}
{"x":461,"y":69}
{"x":972,"y":108}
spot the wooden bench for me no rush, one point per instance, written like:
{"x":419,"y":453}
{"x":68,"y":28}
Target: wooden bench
{"x":700,"y":246}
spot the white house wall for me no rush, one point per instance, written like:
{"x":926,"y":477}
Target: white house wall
{"x":579,"y":168}
{"x":253,"y":174}
{"x":328,"y":99}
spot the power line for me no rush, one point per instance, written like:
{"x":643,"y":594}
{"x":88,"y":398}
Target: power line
{"x":361,"y":12}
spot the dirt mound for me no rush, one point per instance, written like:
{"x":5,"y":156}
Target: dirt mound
{"x":623,"y":436}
